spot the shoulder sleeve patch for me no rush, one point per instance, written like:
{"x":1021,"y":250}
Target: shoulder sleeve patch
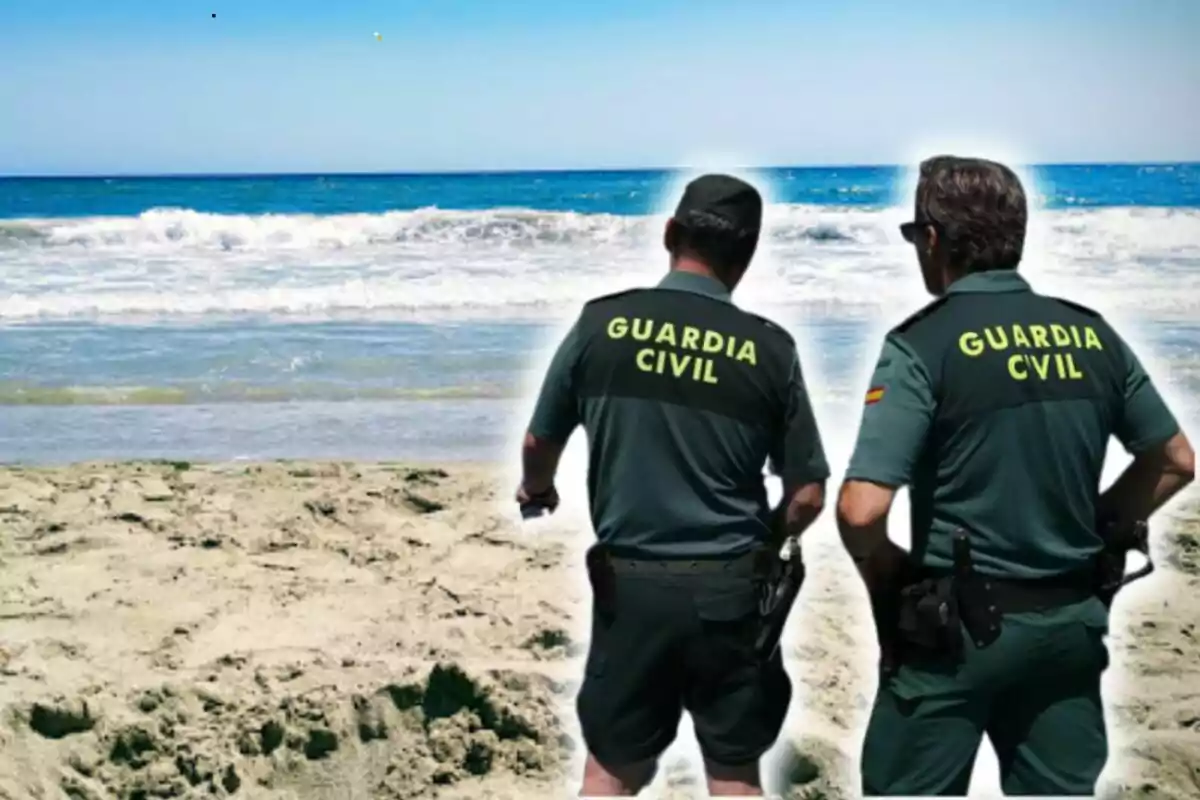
{"x":924,"y":313}
{"x":1076,"y":306}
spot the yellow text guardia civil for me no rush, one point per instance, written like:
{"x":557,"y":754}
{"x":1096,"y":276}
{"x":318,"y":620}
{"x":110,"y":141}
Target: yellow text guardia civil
{"x":1028,"y":363}
{"x":704,"y":346}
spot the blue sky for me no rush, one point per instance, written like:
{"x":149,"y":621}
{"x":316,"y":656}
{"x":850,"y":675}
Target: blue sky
{"x":152,"y":86}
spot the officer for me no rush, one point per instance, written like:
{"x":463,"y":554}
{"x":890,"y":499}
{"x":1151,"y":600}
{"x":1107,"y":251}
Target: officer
{"x":684,"y":398}
{"x":994,"y":405}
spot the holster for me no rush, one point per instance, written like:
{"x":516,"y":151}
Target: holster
{"x":780,"y":582}
{"x":1110,"y":575}
{"x":928,"y":620}
{"x":933,"y":612}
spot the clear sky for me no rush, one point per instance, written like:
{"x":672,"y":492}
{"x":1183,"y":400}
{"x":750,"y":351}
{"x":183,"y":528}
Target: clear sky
{"x":137,"y":86}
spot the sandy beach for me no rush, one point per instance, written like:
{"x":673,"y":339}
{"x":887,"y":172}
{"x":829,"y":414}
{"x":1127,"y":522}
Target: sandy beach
{"x":345,"y":630}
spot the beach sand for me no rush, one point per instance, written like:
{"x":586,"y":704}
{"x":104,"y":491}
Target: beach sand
{"x":342,"y":630}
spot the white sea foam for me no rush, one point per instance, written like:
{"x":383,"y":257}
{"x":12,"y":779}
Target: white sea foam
{"x":515,"y":263}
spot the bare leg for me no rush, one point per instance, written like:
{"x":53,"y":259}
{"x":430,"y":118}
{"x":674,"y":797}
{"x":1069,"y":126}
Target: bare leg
{"x":726,"y":781}
{"x":624,"y":781}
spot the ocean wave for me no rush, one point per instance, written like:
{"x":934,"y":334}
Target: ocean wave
{"x":179,"y":263}
{"x":29,"y":394}
{"x":18,"y":393}
{"x":182,"y":230}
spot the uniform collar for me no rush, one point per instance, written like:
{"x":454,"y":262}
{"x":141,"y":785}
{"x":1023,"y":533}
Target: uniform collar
{"x":697,"y":284}
{"x":1001,"y":280}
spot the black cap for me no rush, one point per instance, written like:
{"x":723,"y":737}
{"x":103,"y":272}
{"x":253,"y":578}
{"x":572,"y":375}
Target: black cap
{"x":720,"y":197}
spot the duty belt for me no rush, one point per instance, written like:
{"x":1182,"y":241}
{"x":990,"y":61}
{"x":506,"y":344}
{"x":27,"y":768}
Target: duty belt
{"x":745,"y":564}
{"x":1020,"y":595}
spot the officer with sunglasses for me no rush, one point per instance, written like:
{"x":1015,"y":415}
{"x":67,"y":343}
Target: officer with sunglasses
{"x":994,"y":405}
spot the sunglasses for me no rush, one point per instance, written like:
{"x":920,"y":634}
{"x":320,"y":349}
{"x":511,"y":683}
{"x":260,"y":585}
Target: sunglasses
{"x":909,"y":229}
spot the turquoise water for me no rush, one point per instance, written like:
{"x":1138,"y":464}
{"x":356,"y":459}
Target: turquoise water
{"x":404,"y":316}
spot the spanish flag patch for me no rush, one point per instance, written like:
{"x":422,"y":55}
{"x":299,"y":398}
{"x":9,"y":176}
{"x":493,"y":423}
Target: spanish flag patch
{"x":874,"y":395}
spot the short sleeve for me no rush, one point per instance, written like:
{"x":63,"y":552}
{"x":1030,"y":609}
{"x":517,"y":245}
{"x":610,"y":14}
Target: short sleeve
{"x":899,"y":407}
{"x":556,"y":413}
{"x":797,"y":456}
{"x":1144,"y":419}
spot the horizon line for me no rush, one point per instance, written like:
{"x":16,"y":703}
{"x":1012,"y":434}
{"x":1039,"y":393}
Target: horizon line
{"x":533,"y":171}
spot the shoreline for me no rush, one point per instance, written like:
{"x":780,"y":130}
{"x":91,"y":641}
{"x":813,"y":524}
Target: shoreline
{"x":342,"y":629}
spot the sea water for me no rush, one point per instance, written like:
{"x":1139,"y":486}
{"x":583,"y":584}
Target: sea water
{"x":402,"y":317}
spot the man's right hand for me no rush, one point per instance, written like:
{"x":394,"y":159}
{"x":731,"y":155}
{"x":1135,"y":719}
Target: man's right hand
{"x":885,"y":573}
{"x":885,"y":610}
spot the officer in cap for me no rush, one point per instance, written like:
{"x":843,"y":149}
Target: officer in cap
{"x":994,"y":405}
{"x":684,"y":398}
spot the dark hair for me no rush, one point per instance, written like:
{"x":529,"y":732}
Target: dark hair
{"x":713,"y":241}
{"x":978,"y":208}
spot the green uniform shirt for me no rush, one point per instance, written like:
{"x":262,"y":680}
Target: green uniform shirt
{"x":684,"y":398}
{"x":995,"y":405}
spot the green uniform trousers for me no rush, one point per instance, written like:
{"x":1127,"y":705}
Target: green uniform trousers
{"x":1035,"y":692}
